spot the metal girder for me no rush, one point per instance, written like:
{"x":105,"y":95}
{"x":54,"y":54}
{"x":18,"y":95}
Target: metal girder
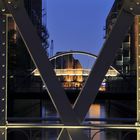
{"x":40,"y":59}
{"x":89,"y":92}
{"x":68,"y":115}
{"x":3,"y":74}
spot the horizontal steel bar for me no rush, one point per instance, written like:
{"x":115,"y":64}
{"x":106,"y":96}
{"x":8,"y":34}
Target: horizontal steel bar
{"x":54,"y":126}
{"x":86,"y":120}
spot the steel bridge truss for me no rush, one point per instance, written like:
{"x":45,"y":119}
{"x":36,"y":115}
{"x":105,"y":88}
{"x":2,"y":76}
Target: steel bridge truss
{"x":71,"y":116}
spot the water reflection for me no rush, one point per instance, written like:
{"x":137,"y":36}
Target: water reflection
{"x":98,"y":110}
{"x":95,"y":111}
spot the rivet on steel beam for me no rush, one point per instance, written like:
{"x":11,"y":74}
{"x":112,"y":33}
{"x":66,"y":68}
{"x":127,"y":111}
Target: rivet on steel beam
{"x":3,"y":77}
{"x":3,"y":88}
{"x":2,"y":110}
{"x":3,"y":43}
{"x":3,"y":20}
{"x":3,"y":54}
{"x":3,"y":32}
{"x":9,"y":2}
{"x":137,"y":3}
{"x":3,"y":66}
{"x":11,"y":76}
{"x":3,"y":99}
{"x":131,"y":8}
{"x":3,"y":10}
{"x":2,"y":133}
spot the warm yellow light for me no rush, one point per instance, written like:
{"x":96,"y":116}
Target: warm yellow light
{"x":76,"y":72}
{"x":74,"y":78}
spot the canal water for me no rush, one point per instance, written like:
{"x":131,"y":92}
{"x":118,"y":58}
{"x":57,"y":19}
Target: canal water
{"x":98,"y":110}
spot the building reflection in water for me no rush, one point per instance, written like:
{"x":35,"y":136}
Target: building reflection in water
{"x":97,"y":111}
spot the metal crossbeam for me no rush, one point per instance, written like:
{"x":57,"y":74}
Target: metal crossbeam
{"x":82,"y":126}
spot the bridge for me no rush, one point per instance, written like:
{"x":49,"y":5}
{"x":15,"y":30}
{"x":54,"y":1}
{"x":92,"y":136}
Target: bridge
{"x":73,"y":78}
{"x":71,"y":119}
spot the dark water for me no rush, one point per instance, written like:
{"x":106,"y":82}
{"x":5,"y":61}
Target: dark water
{"x":97,"y":110}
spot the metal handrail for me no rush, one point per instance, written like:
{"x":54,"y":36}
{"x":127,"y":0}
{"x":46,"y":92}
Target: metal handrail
{"x":82,"y":126}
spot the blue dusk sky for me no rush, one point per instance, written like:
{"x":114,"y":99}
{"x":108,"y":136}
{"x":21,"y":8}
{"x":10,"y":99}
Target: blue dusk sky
{"x":77,"y":24}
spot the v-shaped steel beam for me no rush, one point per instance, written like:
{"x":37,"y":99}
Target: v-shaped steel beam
{"x":75,"y":115}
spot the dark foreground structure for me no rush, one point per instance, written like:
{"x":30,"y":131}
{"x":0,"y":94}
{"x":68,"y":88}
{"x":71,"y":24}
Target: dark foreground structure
{"x":71,"y":122}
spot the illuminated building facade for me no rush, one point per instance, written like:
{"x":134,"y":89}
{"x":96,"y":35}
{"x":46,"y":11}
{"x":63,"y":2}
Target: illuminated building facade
{"x":73,"y":78}
{"x":71,"y":73}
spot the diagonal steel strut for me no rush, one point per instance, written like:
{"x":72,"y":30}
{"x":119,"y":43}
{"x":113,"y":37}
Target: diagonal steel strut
{"x":47,"y":73}
{"x":101,"y":66}
{"x":124,"y":21}
{"x":89,"y":92}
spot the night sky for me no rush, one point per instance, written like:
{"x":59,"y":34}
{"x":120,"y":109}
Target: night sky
{"x":77,"y":24}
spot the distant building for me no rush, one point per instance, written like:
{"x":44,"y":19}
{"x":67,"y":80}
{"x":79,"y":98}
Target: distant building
{"x":71,"y":73}
{"x":66,"y":62}
{"x":16,"y":44}
{"x":73,"y":69}
{"x":20,"y":64}
{"x":125,"y":61}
